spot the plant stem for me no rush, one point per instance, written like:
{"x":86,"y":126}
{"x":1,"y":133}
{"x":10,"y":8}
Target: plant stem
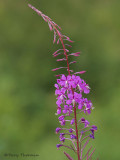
{"x":78,"y":153}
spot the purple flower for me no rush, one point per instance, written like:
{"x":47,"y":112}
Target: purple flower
{"x":59,"y":102}
{"x":85,"y":122}
{"x":80,"y":106}
{"x":70,"y":130}
{"x":64,"y":81}
{"x":59,"y":145}
{"x":59,"y":110}
{"x":65,"y":111}
{"x":72,"y":136}
{"x":62,"y":138}
{"x":93,"y":129}
{"x":61,"y":118}
{"x":62,"y":134}
{"x":61,"y":96}
{"x":76,"y":98}
{"x":62,"y":122}
{"x":57,"y":130}
{"x":88,"y":106}
{"x":66,"y":108}
{"x":84,"y":87}
{"x":92,"y":136}
{"x":72,"y":121}
{"x":76,"y":81}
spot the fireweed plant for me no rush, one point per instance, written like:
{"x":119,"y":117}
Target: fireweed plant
{"x":70,"y":101}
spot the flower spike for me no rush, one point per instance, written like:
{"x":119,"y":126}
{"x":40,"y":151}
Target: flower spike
{"x":71,"y":91}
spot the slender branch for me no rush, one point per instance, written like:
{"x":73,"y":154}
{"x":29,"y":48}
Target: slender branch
{"x":76,"y":132}
{"x":72,"y":143}
{"x":87,"y":152}
{"x":84,"y":147}
{"x":91,"y":154}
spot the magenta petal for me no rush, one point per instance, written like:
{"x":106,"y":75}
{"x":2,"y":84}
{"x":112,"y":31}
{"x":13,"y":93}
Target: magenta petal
{"x":72,"y":121}
{"x":63,"y":77}
{"x":86,"y":91}
{"x":57,"y":92}
{"x":89,"y":111}
{"x":68,"y":77}
{"x":65,"y":111}
{"x":59,"y":111}
{"x":80,"y":106}
{"x":56,"y":85}
{"x":66,"y":106}
{"x":59,"y":102}
{"x":71,"y":107}
{"x":68,"y":102}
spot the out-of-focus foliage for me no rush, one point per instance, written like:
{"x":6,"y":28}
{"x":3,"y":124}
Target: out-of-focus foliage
{"x":27,"y":101}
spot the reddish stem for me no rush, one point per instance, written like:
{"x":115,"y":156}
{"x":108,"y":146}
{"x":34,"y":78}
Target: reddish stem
{"x":76,"y":133}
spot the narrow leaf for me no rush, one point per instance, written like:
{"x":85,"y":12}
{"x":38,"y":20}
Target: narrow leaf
{"x":85,"y":144}
{"x":75,"y":54}
{"x":68,"y":39}
{"x":81,"y":72}
{"x":72,"y":62}
{"x":63,"y":59}
{"x":57,"y":51}
{"x":57,"y":75}
{"x":68,"y":45}
{"x":57,"y":54}
{"x":57,"y":68}
{"x":87,"y":152}
{"x":91,"y":154}
{"x":68,"y":156}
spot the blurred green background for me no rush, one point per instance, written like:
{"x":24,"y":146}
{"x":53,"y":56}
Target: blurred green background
{"x":27,"y":100}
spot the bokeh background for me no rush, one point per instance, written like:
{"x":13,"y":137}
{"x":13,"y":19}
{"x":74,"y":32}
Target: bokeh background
{"x":27,"y":100}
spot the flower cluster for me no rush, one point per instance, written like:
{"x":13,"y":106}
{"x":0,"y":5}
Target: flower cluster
{"x":69,"y":92}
